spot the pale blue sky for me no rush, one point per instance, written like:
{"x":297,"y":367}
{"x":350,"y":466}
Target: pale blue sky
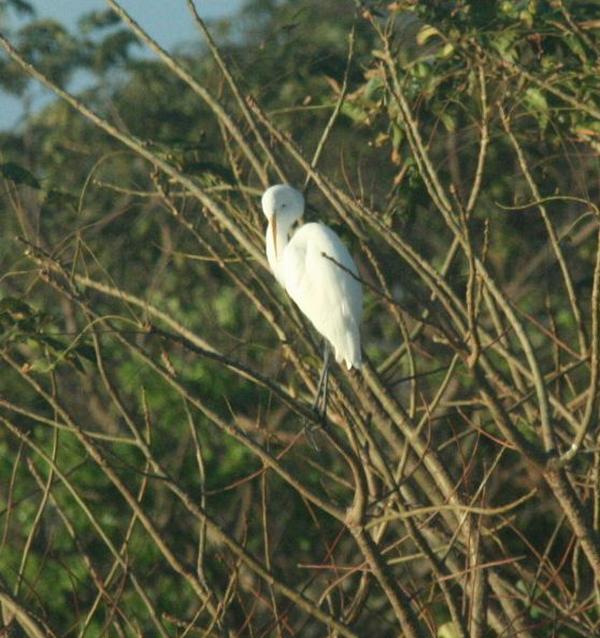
{"x":168,"y":21}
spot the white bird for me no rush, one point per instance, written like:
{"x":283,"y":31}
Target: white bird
{"x":315,"y":268}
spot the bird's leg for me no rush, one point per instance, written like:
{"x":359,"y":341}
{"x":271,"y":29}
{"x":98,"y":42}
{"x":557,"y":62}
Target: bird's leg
{"x":322,"y":385}
{"x":321,"y":393}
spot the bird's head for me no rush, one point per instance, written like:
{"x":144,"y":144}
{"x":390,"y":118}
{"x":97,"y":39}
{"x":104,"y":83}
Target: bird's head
{"x":283,"y":207}
{"x":283,"y":204}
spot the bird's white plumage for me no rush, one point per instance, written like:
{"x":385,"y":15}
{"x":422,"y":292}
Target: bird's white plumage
{"x":316,"y":270}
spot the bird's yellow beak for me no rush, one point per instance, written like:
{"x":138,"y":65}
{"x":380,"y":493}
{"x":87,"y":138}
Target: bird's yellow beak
{"x":274,"y":231}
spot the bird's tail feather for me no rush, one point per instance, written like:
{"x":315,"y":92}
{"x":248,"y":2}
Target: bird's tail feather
{"x":350,"y":350}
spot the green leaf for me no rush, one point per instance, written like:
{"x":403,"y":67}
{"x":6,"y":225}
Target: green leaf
{"x":18,"y":174}
{"x":98,"y":20}
{"x":87,"y":352}
{"x":374,"y":88}
{"x":536,"y":101}
{"x":447,"y":120}
{"x":504,"y":42}
{"x":52,"y":342}
{"x":16,"y":308}
{"x":425,"y":33}
{"x":114,"y":49}
{"x":355,"y":112}
{"x":448,"y":630}
{"x":397,"y":135}
{"x":574,"y":43}
{"x":447,"y":50}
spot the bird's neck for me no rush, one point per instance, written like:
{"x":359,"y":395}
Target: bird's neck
{"x":277,"y":239}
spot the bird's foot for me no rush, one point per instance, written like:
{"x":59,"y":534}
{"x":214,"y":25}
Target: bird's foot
{"x":311,"y":427}
{"x":309,"y":432}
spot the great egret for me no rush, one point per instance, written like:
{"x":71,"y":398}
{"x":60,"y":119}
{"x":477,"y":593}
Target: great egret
{"x":315,"y":268}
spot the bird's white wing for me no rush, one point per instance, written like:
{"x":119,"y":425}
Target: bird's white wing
{"x":318,"y":273}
